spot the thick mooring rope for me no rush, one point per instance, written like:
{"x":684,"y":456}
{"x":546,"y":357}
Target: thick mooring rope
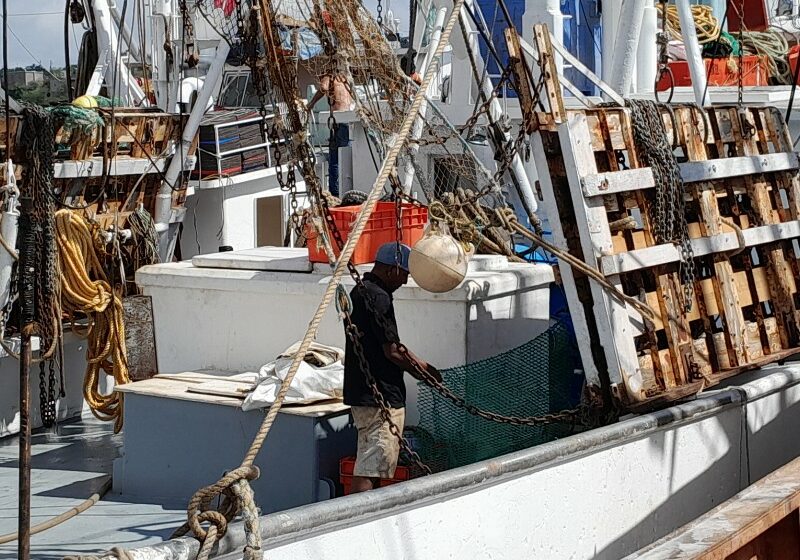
{"x":197,"y":513}
{"x":86,"y":290}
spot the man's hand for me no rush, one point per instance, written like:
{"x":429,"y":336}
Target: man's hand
{"x":433,"y":372}
{"x":408,"y":361}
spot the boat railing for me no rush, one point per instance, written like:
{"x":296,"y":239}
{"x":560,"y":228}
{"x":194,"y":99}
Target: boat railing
{"x":219,"y":152}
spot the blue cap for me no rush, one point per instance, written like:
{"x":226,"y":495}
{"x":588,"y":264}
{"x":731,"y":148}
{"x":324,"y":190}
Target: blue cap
{"x":388,"y":254}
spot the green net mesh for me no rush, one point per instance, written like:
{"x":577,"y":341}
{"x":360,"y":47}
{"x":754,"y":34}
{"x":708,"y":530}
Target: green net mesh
{"x":530,"y":380}
{"x":75,"y":119}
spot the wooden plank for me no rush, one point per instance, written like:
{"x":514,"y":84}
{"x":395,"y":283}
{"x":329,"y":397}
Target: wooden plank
{"x":613,"y":319}
{"x":583,"y":69}
{"x":522,"y":84}
{"x":691,"y":172}
{"x":140,"y":338}
{"x":550,"y":206}
{"x":528,"y":49}
{"x":709,"y":212}
{"x":614,"y":182}
{"x":657,"y":255}
{"x":716,"y":169}
{"x":739,"y":521}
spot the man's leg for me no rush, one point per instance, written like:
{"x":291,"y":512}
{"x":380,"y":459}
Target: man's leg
{"x":363,"y":483}
{"x":378,"y":449}
{"x":333,"y":162}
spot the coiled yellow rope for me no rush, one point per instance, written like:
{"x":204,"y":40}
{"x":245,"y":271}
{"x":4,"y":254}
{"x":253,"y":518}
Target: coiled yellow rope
{"x":85,"y":290}
{"x":705,"y":23}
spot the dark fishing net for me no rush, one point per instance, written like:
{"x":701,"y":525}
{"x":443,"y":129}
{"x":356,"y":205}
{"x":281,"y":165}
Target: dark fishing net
{"x":530,"y":380}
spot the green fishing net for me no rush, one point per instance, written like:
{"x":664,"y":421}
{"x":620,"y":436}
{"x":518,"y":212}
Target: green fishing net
{"x":530,"y":380}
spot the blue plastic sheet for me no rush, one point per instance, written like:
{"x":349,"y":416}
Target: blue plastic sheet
{"x":307,"y":43}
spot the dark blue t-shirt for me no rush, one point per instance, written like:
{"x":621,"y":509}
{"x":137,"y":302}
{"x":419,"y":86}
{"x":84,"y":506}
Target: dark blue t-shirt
{"x":374,"y":334}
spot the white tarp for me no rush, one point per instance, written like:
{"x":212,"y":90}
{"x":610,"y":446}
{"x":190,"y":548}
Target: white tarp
{"x":320,"y":377}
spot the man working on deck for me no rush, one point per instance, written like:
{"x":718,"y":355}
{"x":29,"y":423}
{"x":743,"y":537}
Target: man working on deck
{"x":373,"y":314}
{"x":335,"y":87}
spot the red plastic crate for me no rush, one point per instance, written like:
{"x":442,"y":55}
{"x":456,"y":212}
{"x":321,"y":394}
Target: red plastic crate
{"x":794,"y":54}
{"x":380,"y":229}
{"x":347,"y":464}
{"x":756,"y":72}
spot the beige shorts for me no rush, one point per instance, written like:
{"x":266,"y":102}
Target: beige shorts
{"x":378,"y":448}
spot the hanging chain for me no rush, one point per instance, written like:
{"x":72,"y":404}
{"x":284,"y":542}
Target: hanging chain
{"x":398,"y":192}
{"x":663,"y":67}
{"x":355,"y":337}
{"x":379,"y":18}
{"x":274,"y":132}
{"x":747,"y":129}
{"x":668,"y":215}
{"x":192,"y":58}
{"x":39,"y":274}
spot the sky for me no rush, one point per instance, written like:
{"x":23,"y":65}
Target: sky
{"x":39,"y":28}
{"x":37,"y":35}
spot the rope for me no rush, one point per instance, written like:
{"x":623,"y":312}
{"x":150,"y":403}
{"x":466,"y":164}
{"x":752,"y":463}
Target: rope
{"x":204,"y":496}
{"x":507,"y":216}
{"x":66,"y":516}
{"x":706,"y":25}
{"x":86,"y":290}
{"x":773,"y":45}
{"x":115,"y":553}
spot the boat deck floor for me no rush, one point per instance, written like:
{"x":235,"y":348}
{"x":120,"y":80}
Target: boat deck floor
{"x":70,"y":463}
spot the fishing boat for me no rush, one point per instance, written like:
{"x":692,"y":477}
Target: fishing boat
{"x":616,"y":349}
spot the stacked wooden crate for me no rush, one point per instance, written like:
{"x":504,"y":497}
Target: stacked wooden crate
{"x":742,"y":203}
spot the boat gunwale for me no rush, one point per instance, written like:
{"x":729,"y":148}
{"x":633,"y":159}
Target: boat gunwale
{"x":302,"y":522}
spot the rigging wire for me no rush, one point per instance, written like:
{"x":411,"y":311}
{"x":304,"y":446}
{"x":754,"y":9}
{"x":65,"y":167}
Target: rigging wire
{"x":67,"y":69}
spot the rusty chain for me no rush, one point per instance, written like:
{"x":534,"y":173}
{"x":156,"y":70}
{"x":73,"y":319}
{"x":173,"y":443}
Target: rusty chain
{"x":668,"y":215}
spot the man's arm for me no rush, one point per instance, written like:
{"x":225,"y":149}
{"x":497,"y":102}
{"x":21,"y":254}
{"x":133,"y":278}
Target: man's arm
{"x":324,"y":84}
{"x":408,"y":361}
{"x":317,"y":96}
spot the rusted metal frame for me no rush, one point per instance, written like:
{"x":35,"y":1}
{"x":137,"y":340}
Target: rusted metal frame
{"x":550,"y":76}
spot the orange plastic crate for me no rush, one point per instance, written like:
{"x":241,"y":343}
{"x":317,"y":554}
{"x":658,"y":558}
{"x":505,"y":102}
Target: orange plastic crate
{"x":347,"y":464}
{"x":380,"y":229}
{"x":720,"y":72}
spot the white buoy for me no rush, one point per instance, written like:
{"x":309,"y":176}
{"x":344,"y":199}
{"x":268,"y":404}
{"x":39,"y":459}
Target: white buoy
{"x":438,"y":262}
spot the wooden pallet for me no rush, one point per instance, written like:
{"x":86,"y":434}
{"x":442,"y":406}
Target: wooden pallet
{"x":742,"y":197}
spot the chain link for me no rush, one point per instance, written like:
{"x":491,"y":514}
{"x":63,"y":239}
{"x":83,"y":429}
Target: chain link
{"x":668,"y":214}
{"x":663,"y":67}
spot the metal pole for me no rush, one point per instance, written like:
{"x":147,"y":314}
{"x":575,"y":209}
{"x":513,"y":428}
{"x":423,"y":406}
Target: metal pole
{"x":407,"y":177}
{"x":517,"y":174}
{"x":163,"y":206}
{"x":24,"y":515}
{"x":647,"y":54}
{"x":694,"y":57}
{"x":626,"y":46}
